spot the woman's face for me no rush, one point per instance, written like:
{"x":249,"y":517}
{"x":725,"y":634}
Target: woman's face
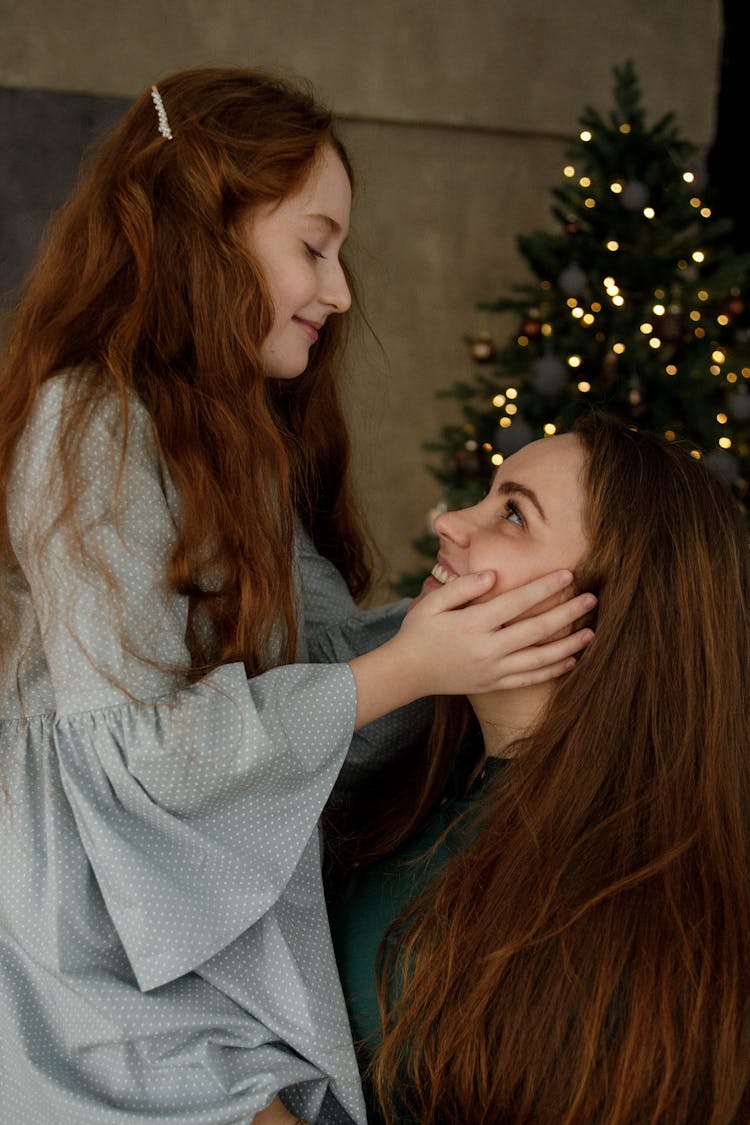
{"x":529,"y":523}
{"x":297,"y":243}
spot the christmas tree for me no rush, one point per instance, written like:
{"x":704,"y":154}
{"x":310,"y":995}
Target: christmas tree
{"x":636,"y":306}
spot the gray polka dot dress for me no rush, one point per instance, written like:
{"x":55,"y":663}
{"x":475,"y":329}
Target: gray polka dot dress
{"x":164,"y":949}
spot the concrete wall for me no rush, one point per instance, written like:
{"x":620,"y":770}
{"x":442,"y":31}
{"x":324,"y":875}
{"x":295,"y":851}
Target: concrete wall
{"x":455,"y":114}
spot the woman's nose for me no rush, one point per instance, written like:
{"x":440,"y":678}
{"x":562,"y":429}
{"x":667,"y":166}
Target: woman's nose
{"x":454,"y":526}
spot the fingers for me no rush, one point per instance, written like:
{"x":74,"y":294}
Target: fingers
{"x":544,"y":626}
{"x":518,"y":602}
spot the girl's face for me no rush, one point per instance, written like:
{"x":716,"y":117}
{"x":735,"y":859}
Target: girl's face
{"x":297,"y":242}
{"x":529,"y":523}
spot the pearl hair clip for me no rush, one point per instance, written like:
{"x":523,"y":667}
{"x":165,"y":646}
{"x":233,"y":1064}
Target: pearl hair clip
{"x":161,"y":113}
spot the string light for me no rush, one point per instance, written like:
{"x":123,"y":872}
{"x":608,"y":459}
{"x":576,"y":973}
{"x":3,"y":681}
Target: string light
{"x":615,"y":187}
{"x":569,"y":171}
{"x":546,"y":330}
{"x":497,"y":459}
{"x":646,"y":328}
{"x":589,"y":202}
{"x":695,"y":202}
{"x":702,"y":295}
{"x":571,"y":302}
{"x":746,"y":372}
{"x":722,"y":319}
{"x":588,"y":318}
{"x":618,"y":300}
{"x":574,"y":361}
{"x":550,"y":428}
{"x":596,"y":307}
{"x":608,"y":282}
{"x":498,"y":400}
{"x":688,"y":177}
{"x":523,"y":341}
{"x":649,"y":212}
{"x":669,"y":435}
{"x":670,"y":369}
{"x":698,"y":256}
{"x":715,"y":369}
{"x":625,"y":128}
{"x":721,"y":419}
{"x":725,"y":442}
{"x":618,"y":348}
{"x":695,"y":315}
{"x":577,"y":312}
{"x":585,"y":135}
{"x":705,"y":212}
{"x":585,"y":181}
{"x":718,"y":356}
{"x":511,"y":392}
{"x":584,"y":387}
{"x":700,"y":333}
{"x":731,"y":377}
{"x":695,"y":453}
{"x":504,"y":423}
{"x":471,"y":445}
{"x":511,"y":408}
{"x":658,"y":310}
{"x":654,"y":342}
{"x":613,"y":244}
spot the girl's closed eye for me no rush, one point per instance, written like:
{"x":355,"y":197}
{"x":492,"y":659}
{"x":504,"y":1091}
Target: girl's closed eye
{"x":313,"y":252}
{"x":512,"y":513}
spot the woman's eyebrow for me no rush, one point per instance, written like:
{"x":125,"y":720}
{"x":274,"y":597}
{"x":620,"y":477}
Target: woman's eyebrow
{"x":511,"y":486}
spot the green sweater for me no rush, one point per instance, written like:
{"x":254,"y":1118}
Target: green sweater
{"x":374,"y":896}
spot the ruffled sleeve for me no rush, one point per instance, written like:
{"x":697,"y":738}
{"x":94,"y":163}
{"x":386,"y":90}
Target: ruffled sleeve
{"x":194,"y":803}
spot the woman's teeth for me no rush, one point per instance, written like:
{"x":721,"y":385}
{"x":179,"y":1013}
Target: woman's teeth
{"x":441,"y":574}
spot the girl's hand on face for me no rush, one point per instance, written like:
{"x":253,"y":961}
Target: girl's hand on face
{"x":449,"y":644}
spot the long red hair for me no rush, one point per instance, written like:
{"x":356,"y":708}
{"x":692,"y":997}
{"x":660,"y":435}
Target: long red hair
{"x":587,"y":958}
{"x":144,"y":287}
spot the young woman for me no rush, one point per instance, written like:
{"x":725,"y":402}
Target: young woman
{"x":559,"y":916}
{"x":177,"y":537}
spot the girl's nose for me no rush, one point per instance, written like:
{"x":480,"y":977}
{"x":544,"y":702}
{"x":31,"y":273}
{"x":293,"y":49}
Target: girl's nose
{"x":335,"y":291}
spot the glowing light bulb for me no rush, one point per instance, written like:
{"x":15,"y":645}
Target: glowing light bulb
{"x":584,"y":387}
{"x":649,"y":212}
{"x":722,"y":320}
{"x":658,"y":310}
{"x":695,"y":453}
{"x":523,"y":341}
{"x":569,"y":171}
{"x":607,"y":282}
{"x":695,"y":202}
{"x":613,"y":244}
{"x":688,"y":177}
{"x":577,"y":312}
{"x":546,"y":330}
{"x":646,"y":328}
{"x":498,"y":400}
{"x":705,"y":212}
{"x":585,"y":135}
{"x":618,"y":300}
{"x":615,"y":187}
{"x":596,"y":307}
{"x":625,"y":128}
{"x":718,"y":356}
{"x":497,"y":459}
{"x":702,"y":295}
{"x":585,"y":181}
{"x":550,"y":428}
{"x":698,"y":256}
{"x":504,"y":423}
{"x":618,"y":349}
{"x":590,"y":202}
{"x":654,"y":342}
{"x":511,"y":392}
{"x":695,"y":315}
{"x":670,"y":369}
{"x":731,"y":377}
{"x":715,"y":369}
{"x":721,"y":419}
{"x":574,"y":361}
{"x":669,"y":435}
{"x":511,"y":408}
{"x":588,"y":318}
{"x":725,"y":442}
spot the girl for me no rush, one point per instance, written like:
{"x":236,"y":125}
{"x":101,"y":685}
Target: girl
{"x":567,"y":936}
{"x":177,"y":539}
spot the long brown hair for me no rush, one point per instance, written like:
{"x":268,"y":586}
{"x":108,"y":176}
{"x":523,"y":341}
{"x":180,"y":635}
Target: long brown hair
{"x":587,"y":957}
{"x":144,"y":287}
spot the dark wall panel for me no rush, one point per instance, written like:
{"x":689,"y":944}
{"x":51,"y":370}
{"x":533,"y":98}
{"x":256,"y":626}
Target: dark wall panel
{"x":43,"y":136}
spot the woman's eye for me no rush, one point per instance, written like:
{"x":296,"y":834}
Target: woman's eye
{"x":512,"y":514}
{"x":313,"y":252}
